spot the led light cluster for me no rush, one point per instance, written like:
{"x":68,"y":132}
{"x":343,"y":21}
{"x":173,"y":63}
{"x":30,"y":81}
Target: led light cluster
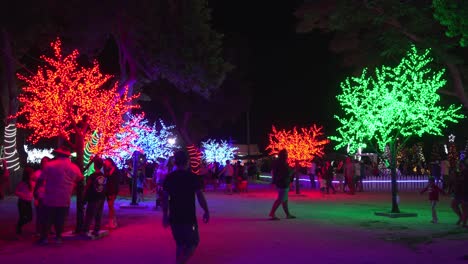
{"x":218,"y":151}
{"x":152,"y":140}
{"x":302,"y":145}
{"x":396,"y":102}
{"x":195,"y":156}
{"x":35,"y":155}
{"x":61,"y":94}
{"x":10,"y":154}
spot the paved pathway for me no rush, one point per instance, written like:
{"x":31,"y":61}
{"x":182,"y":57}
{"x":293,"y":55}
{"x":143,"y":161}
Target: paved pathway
{"x":330,"y":229}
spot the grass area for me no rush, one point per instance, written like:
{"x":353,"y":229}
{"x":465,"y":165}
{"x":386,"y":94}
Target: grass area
{"x":358,"y":212}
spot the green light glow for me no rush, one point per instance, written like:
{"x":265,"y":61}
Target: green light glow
{"x":396,"y":103}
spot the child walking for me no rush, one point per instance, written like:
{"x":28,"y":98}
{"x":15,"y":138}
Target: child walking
{"x":24,"y":191}
{"x":433,"y":191}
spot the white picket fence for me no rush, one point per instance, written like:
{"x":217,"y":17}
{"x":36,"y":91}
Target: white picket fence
{"x":376,"y":183}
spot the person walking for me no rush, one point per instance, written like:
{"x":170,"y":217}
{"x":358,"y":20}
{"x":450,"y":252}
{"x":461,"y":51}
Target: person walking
{"x":179,"y":212}
{"x":434,"y":192}
{"x":24,"y":192}
{"x":281,"y":176}
{"x":112,"y":174}
{"x":95,"y":196}
{"x":61,"y":177}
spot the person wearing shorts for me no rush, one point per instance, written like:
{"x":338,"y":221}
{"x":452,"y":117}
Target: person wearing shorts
{"x":180,"y":188}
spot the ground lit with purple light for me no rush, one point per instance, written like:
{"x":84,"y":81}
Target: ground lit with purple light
{"x":336,"y":228}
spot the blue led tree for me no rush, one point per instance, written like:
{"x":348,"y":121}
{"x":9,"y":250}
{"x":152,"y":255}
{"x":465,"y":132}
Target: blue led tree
{"x":154,"y":141}
{"x":219,"y":151}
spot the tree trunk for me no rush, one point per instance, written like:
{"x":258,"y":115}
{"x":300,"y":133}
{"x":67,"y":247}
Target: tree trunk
{"x":10,"y":107}
{"x":395,"y":208}
{"x":194,"y":152}
{"x":79,"y":148}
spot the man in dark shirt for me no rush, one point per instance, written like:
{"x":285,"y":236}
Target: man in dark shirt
{"x":178,"y":204}
{"x":95,"y":196}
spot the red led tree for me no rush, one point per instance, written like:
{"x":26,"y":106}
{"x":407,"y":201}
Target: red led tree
{"x":302,"y":145}
{"x":63,"y":99}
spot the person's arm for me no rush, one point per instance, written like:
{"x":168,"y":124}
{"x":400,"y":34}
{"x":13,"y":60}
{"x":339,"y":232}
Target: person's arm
{"x":203,"y":204}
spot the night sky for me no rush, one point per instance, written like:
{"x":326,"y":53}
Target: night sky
{"x":294,"y":76}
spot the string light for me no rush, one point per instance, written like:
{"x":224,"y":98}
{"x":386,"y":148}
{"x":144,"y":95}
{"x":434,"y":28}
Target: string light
{"x":195,"y":156}
{"x":9,"y":151}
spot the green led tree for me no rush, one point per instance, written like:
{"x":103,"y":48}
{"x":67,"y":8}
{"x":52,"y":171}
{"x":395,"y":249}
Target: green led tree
{"x":394,"y":104}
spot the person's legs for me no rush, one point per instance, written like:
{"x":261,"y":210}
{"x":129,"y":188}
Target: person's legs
{"x":61,"y":213}
{"x":434,"y":212}
{"x":350,"y":185}
{"x":330,"y":186}
{"x":187,"y":239}
{"x":47,"y":215}
{"x":456,"y":208}
{"x":98,"y":216}
{"x":278,"y":201}
{"x":21,"y":216}
{"x":465,"y":212}
{"x":89,"y":215}
{"x":312,"y":181}
{"x":228,"y":184}
{"x":39,"y":212}
{"x":283,"y":198}
{"x":111,"y":205}
{"x":275,"y":206}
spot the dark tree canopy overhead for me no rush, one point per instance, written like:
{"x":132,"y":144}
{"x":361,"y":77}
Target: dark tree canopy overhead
{"x":380,"y":31}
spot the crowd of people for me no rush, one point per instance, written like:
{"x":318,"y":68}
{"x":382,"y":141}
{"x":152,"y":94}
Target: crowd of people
{"x":49,"y":190}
